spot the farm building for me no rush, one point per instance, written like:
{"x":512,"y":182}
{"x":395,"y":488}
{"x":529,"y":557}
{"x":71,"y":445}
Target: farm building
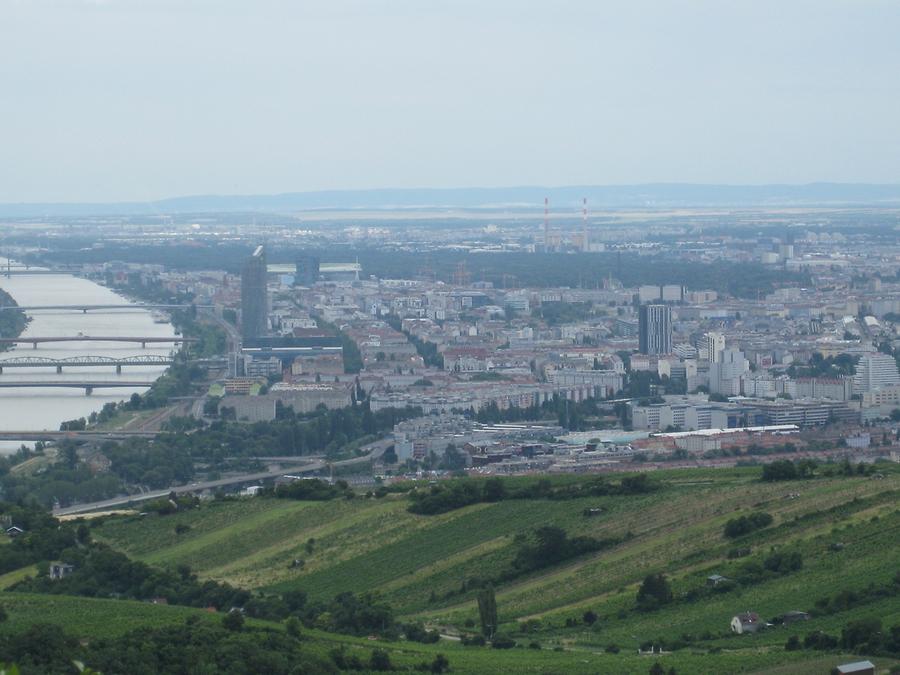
{"x":748,"y":622}
{"x":856,"y":668}
{"x":792,"y":617}
{"x":60,"y":570}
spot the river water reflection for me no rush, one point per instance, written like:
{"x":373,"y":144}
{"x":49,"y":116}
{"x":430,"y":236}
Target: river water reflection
{"x":43,"y":409}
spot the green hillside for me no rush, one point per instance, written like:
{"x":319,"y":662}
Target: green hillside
{"x":90,"y":618}
{"x":843,"y":529}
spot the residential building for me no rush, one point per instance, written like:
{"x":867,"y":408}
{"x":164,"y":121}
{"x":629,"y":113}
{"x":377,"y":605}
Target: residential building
{"x":655,"y":329}
{"x":875,"y":371}
{"x":725,"y":374}
{"x":713,"y":346}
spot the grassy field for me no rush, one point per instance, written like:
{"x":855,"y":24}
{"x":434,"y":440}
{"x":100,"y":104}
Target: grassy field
{"x":419,"y":563}
{"x":89,"y":618}
{"x":14,"y":577}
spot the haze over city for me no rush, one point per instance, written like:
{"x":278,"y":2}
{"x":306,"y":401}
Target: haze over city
{"x":133,"y":100}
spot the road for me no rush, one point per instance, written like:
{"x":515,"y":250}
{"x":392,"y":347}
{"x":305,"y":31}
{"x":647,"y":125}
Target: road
{"x":231,"y":331}
{"x":375,"y":450}
{"x":181,"y":489}
{"x":74,"y":435}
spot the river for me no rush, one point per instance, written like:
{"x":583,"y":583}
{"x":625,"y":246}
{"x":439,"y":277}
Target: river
{"x":38,"y":409}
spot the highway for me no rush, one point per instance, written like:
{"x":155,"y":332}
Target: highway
{"x":375,"y":450}
{"x":181,"y":489}
{"x":74,"y":435}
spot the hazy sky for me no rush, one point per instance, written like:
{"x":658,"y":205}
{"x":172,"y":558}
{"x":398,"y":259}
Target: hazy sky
{"x":142,"y":99}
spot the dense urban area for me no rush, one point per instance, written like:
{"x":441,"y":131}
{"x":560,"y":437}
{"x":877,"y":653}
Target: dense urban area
{"x":523,"y":439}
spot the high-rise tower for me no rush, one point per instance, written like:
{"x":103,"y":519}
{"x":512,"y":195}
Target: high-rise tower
{"x":655,"y":329}
{"x":254,"y":300}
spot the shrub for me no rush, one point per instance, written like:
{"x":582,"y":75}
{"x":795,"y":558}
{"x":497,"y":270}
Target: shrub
{"x":654,"y":592}
{"x":234,"y":621}
{"x":473,"y":641}
{"x":502,"y":642}
{"x":737,"y":527}
{"x":380,"y":661}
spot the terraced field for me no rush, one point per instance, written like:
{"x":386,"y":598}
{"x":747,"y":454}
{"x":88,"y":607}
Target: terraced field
{"x":419,"y":563}
{"x":89,"y":618}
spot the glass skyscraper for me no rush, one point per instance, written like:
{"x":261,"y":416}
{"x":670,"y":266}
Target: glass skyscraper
{"x":254,"y":301}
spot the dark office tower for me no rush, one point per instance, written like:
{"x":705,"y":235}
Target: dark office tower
{"x":655,"y":329}
{"x":254,"y":302}
{"x":307,"y":270}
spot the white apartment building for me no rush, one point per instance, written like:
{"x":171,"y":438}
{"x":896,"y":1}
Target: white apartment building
{"x":725,"y":375}
{"x":875,"y":371}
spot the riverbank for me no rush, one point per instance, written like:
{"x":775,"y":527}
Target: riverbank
{"x":12,"y":322}
{"x":39,"y":408}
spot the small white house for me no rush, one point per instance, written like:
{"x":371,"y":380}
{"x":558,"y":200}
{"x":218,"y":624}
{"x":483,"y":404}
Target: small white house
{"x":60,"y":570}
{"x":748,"y":622}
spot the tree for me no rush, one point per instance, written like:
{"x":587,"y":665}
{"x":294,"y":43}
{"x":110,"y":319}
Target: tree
{"x":292,"y":627}
{"x":494,"y":490}
{"x":380,"y":661}
{"x":487,"y":611}
{"x":654,"y":592}
{"x":589,"y":618}
{"x":234,"y":621}
{"x":440,"y":664}
{"x":68,"y":453}
{"x":860,"y":632}
{"x":782,"y":469}
{"x":737,"y":527}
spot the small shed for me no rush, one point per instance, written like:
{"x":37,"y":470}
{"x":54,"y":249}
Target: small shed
{"x":792,"y":617}
{"x":14,"y":531}
{"x":856,"y":668}
{"x":60,"y":570}
{"x":714,"y":580}
{"x":748,"y":622}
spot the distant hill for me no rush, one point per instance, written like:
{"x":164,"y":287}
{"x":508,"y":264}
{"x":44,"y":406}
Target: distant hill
{"x":651,"y":195}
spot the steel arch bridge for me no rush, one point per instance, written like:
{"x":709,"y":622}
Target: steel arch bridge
{"x":84,"y":361}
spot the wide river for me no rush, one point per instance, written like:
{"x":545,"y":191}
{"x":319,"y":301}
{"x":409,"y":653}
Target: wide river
{"x":37,"y":409}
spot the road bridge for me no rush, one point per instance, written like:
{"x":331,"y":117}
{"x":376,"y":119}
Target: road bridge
{"x":32,"y":272}
{"x":88,"y":386}
{"x":88,"y":308}
{"x":46,"y":436}
{"x":144,"y":340}
{"x":84,"y":362}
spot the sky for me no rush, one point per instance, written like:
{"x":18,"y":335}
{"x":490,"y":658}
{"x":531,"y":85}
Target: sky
{"x":136,"y":100}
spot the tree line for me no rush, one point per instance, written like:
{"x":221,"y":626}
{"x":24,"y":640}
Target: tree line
{"x":458,"y":493}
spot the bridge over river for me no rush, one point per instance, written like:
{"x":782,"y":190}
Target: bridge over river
{"x":87,"y":385}
{"x":144,"y":340}
{"x":84,"y":362}
{"x":88,"y":308}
